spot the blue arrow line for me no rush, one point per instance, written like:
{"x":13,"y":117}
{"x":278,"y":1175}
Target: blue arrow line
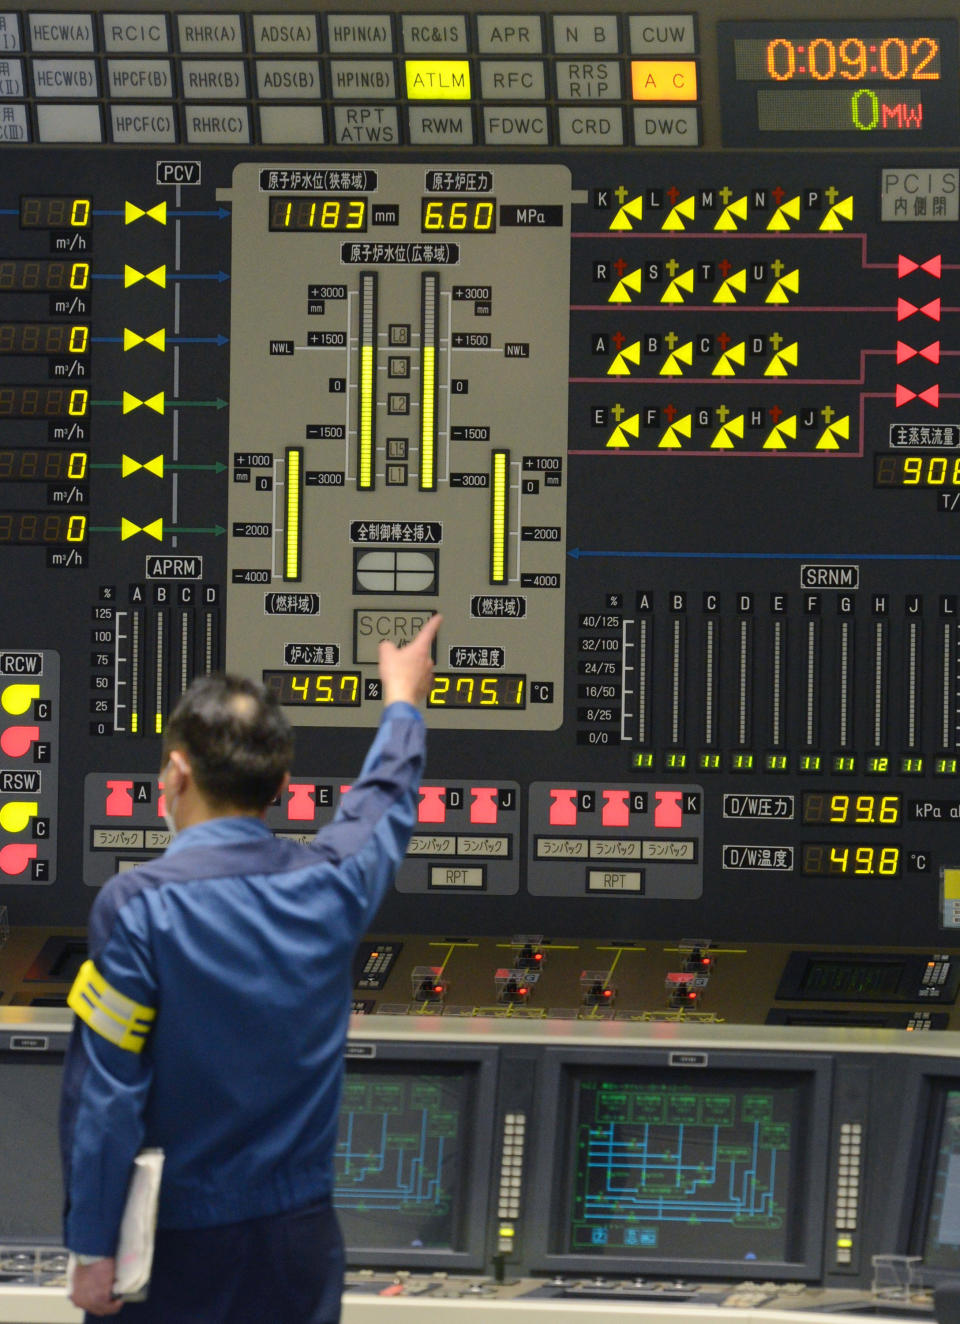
{"x":221,"y":213}
{"x":9,"y":211}
{"x":219,"y":276}
{"x":98,"y":212}
{"x":198,"y":340}
{"x":103,"y":275}
{"x":577,"y":554}
{"x":106,"y":340}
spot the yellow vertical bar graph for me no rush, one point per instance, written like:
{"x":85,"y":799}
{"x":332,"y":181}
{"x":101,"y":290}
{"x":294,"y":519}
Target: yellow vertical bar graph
{"x":292,"y":525}
{"x":428,"y":382}
{"x":135,"y":623}
{"x":159,"y":671}
{"x":499,"y":509}
{"x":367,"y":382}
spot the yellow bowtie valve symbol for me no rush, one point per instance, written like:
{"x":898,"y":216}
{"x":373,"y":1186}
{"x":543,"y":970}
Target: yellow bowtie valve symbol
{"x":158,"y":276}
{"x":152,"y":530}
{"x":16,"y":814}
{"x":16,"y":699}
{"x":129,"y":466}
{"x":131,"y":213}
{"x":131,"y":339}
{"x":132,"y":402}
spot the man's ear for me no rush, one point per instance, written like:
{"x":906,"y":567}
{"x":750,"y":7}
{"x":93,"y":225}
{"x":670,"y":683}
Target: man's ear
{"x":178,"y":763}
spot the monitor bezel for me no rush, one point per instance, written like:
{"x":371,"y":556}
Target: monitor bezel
{"x":470,"y":1256}
{"x":22,"y":1046}
{"x":913,"y":1173}
{"x":546,"y":1212}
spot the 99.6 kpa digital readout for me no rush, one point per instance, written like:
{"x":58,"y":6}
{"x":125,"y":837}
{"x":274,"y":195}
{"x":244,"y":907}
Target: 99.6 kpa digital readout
{"x":850,"y":809}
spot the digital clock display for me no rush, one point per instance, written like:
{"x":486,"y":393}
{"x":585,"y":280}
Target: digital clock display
{"x":824,"y":59}
{"x":916,"y":470}
{"x":43,"y":402}
{"x":43,"y":338}
{"x":852,"y":981}
{"x":839,"y":82}
{"x":308,"y":215}
{"x":41,"y":466}
{"x":849,"y":860}
{"x":328,"y":689}
{"x":477,"y":690}
{"x":850,"y":808}
{"x":42,"y":275}
{"x":41,"y":528}
{"x":458,"y":215}
{"x":54,"y":213}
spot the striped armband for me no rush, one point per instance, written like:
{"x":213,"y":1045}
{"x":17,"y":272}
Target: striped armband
{"x":109,"y":1012}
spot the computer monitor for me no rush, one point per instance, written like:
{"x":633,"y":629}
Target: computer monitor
{"x":677,"y":1164}
{"x":934,"y":1231}
{"x":413,"y":1156}
{"x":31,"y":1187}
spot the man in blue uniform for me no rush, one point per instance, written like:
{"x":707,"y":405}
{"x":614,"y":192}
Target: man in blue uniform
{"x":212,"y":1013}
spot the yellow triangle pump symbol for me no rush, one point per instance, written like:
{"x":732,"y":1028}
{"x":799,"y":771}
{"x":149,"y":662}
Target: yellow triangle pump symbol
{"x":158,"y":276}
{"x":155,"y":402}
{"x":785,"y":286}
{"x":835,"y":217}
{"x":158,"y":340}
{"x":680,"y":358}
{"x":620,"y":438}
{"x":128,"y":529}
{"x":130,"y":276}
{"x":834,"y":434}
{"x":155,"y":530}
{"x":625,"y":360}
{"x":675,"y":291}
{"x":781,"y":434}
{"x":129,"y":466}
{"x":728,"y":363}
{"x":675,"y":436}
{"x":728,"y":435}
{"x":631,"y":211}
{"x":782,"y":361}
{"x":732,"y":215}
{"x":681,"y":213}
{"x":734,"y":285}
{"x":781,"y":218}
{"x":131,"y":402}
{"x":130,"y":339}
{"x":627,"y":287}
{"x":155,"y":466}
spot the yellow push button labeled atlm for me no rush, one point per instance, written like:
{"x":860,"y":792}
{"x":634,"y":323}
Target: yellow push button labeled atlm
{"x":437,"y":80}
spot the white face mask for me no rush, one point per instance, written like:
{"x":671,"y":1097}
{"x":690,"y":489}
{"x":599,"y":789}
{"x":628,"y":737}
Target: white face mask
{"x":168,"y":803}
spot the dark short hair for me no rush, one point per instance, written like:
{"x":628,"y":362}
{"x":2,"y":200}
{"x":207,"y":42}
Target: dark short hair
{"x":237,"y":740}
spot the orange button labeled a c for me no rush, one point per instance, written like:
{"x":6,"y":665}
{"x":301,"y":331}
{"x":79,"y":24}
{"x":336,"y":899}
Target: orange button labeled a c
{"x":664,"y":80}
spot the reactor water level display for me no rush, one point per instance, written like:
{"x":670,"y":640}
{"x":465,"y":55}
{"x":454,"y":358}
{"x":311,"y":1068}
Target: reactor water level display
{"x":398,"y":435}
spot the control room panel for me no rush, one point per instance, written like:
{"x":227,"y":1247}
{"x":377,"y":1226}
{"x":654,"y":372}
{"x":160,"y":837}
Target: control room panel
{"x":624,"y":339}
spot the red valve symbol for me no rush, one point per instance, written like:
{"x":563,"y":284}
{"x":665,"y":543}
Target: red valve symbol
{"x":432,"y":808}
{"x":563,"y":810}
{"x":616,"y":809}
{"x":119,"y":803}
{"x":301,"y":806}
{"x":484,"y":806}
{"x":15,"y":741}
{"x":669,"y":810}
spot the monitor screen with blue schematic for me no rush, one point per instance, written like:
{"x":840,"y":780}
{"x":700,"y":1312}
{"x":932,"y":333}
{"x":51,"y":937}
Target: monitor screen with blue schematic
{"x":413,"y":1156}
{"x":715,"y":1169}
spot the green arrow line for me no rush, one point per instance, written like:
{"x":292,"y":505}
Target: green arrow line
{"x":177,"y":528}
{"x":104,"y":528}
{"x":217,"y":468}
